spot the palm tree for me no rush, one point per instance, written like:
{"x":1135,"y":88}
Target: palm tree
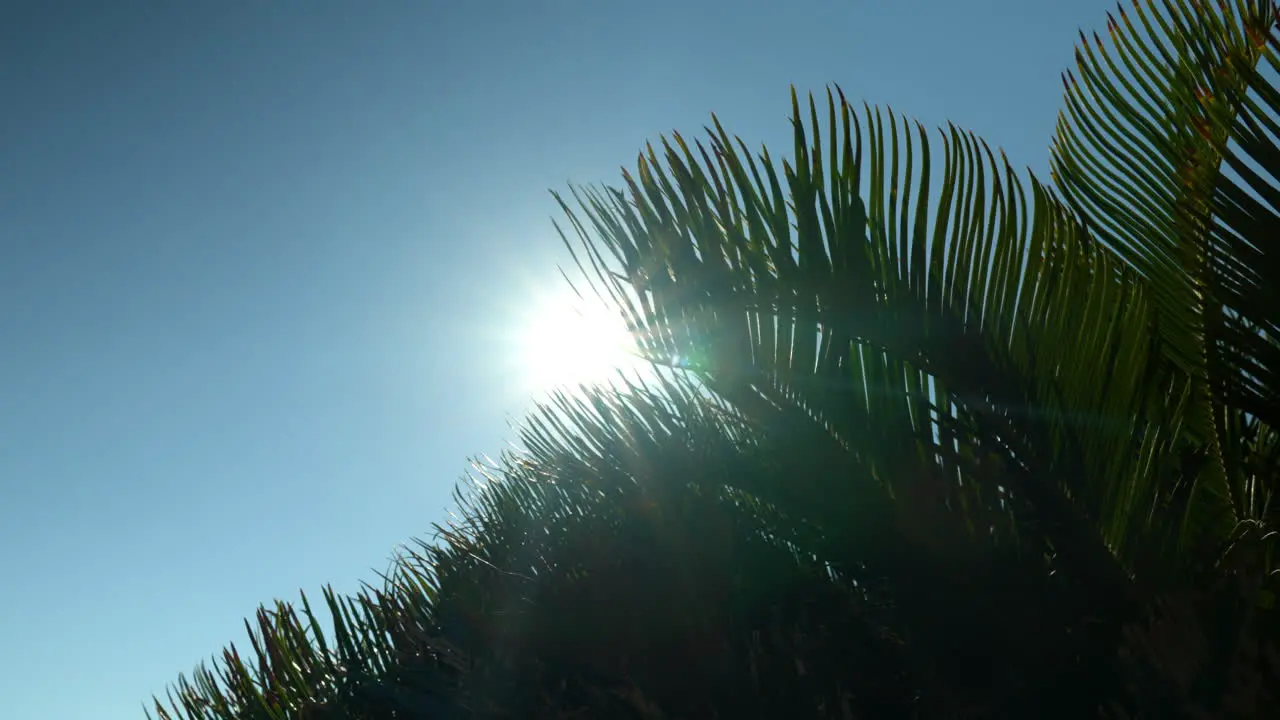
{"x":1098,"y":356}
{"x":997,"y":446}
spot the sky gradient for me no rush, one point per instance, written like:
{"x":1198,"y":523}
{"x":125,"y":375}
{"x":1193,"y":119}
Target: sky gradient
{"x":261,"y":264}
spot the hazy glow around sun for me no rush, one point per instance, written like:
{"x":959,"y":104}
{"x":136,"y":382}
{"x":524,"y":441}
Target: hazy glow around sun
{"x":566,"y":341}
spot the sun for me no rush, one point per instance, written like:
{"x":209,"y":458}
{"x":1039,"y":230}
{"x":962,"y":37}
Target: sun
{"x":566,"y":341}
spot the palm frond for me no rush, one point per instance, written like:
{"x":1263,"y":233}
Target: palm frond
{"x":1167,"y":148}
{"x":606,"y":567}
{"x":910,"y":309}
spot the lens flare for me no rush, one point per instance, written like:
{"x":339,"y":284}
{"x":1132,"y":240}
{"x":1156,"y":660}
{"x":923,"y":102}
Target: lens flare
{"x":566,"y":342}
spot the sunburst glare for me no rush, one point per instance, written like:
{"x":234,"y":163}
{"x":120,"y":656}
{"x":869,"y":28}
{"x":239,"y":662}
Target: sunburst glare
{"x":566,"y":341}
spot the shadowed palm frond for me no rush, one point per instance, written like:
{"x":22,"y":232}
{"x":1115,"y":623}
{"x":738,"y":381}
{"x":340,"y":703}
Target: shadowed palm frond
{"x":929,"y":333}
{"x":606,"y":568}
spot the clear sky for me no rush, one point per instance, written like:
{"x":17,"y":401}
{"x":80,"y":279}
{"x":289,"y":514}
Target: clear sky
{"x":261,"y":264}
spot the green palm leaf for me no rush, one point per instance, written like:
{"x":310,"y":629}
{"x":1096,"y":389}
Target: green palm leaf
{"x":592,"y":572}
{"x":927,"y":332}
{"x":1168,"y":149}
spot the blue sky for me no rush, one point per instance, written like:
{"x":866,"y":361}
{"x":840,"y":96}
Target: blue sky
{"x":261,"y":265}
